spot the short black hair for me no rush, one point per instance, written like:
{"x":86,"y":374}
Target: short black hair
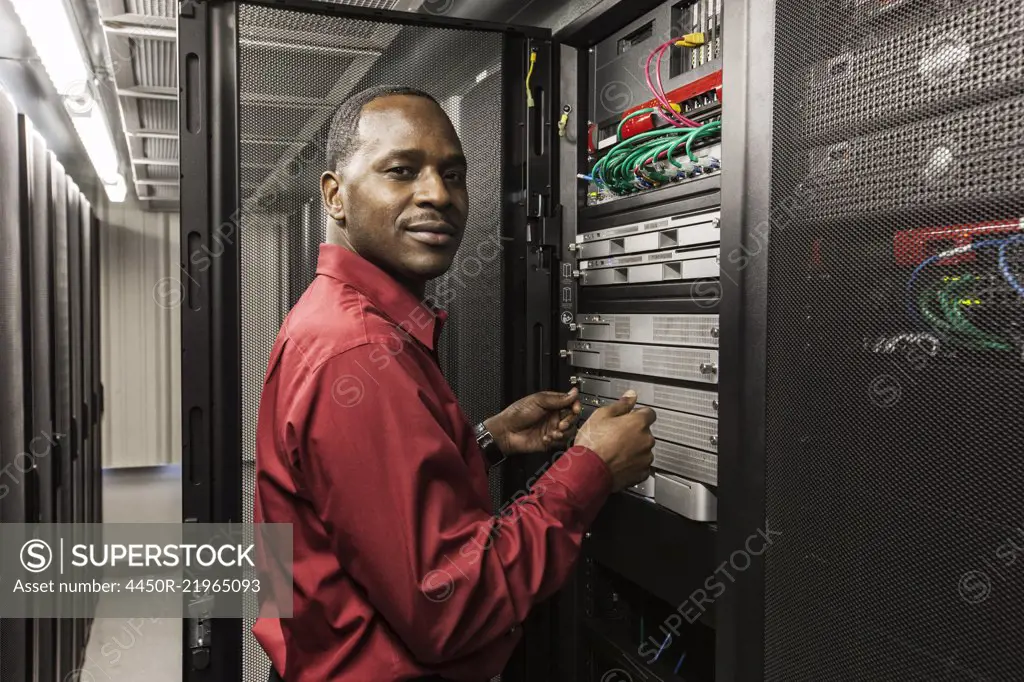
{"x":341,"y":138}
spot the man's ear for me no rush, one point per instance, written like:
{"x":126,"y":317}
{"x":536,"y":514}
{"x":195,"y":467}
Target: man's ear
{"x":330,"y":189}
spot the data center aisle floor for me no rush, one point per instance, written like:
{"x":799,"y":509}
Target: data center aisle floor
{"x":136,"y":649}
{"x":132,"y":648}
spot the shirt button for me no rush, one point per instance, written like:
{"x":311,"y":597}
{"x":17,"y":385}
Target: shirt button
{"x":512,"y":631}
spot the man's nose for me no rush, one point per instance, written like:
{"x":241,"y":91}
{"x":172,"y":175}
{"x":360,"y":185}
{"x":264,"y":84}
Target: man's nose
{"x":431,"y":189}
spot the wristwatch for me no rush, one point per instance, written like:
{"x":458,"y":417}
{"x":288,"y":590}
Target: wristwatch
{"x":492,"y":453}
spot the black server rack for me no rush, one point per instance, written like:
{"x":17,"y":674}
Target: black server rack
{"x":41,"y":443}
{"x":881,"y":305}
{"x":17,"y":488}
{"x":62,"y":384}
{"x":76,"y":435}
{"x":43,"y":217}
{"x":821,"y":300}
{"x":639,"y":302}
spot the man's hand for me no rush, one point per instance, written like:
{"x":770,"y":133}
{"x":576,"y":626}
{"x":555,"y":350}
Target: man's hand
{"x":535,"y":423}
{"x":621,"y":436}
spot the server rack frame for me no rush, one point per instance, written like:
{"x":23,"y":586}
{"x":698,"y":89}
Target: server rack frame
{"x":625,"y":532}
{"x":748,"y":67}
{"x":16,"y":634}
{"x":747,"y":223}
{"x":211,"y":307}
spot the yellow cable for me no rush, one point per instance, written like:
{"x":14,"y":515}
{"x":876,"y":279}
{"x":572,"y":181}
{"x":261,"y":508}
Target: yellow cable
{"x":691,"y":40}
{"x":529,"y":93}
{"x":563,"y":122}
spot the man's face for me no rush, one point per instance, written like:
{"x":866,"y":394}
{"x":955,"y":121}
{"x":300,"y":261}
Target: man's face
{"x":401,"y":199}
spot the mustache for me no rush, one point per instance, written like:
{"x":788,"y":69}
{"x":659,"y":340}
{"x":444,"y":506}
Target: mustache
{"x":430,"y":219}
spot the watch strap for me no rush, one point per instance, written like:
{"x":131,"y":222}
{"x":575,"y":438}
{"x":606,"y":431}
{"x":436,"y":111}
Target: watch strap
{"x":492,"y":453}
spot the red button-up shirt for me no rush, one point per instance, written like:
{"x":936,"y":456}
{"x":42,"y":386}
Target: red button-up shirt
{"x":402,"y":568}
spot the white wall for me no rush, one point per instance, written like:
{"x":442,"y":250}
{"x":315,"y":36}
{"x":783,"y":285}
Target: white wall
{"x":141,"y":328}
{"x":142,"y":495}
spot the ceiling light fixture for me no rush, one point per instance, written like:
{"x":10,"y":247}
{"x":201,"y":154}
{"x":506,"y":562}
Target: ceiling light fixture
{"x":50,"y":29}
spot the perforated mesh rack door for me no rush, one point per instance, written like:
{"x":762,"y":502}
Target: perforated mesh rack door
{"x":295,"y":68}
{"x":895,"y":381}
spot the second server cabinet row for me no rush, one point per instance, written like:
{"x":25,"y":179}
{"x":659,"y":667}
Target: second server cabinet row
{"x":50,"y":451}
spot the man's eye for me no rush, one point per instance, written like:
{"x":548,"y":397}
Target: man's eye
{"x":400,"y":171}
{"x":456,"y":176}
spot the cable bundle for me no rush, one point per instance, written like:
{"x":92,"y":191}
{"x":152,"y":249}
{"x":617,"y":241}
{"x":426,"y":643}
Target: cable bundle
{"x":637,"y":163}
{"x":942,"y":307}
{"x":1004,"y":266}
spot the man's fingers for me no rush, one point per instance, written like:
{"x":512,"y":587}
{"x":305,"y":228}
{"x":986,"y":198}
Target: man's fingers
{"x":567,"y":420}
{"x":648,"y":415}
{"x":552,"y":400}
{"x":623,"y":405}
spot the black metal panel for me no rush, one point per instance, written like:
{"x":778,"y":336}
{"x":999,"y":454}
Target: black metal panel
{"x":41,"y":294}
{"x":438,"y":19}
{"x":73,"y":200}
{"x":660,"y":551}
{"x":924,"y":63}
{"x":603,"y":19}
{"x":97,"y":379}
{"x":745,"y":218}
{"x":211,"y":310}
{"x":628,"y":304}
{"x":87,"y":458}
{"x":87,"y":354}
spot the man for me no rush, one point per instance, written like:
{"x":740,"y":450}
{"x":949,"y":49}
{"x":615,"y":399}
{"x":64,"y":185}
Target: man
{"x":401,"y":569}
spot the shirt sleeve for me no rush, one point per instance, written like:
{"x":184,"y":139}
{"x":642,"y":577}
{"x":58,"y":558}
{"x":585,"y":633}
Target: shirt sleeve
{"x":397,"y":498}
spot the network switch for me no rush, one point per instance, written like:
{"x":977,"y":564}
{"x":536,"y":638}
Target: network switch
{"x":675,"y":330}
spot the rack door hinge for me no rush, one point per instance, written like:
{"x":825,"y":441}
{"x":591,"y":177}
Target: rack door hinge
{"x":546,"y":230}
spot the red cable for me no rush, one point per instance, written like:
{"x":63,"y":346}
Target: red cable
{"x":670,"y":114}
{"x":662,"y":87}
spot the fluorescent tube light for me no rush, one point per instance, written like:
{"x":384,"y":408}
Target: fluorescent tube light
{"x":50,"y":29}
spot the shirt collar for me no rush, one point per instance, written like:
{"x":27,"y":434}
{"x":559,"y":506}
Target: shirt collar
{"x":420,"y":318}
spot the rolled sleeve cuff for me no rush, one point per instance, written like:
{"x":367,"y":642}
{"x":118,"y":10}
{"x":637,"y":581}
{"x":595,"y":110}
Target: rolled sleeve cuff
{"x":586,"y":478}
